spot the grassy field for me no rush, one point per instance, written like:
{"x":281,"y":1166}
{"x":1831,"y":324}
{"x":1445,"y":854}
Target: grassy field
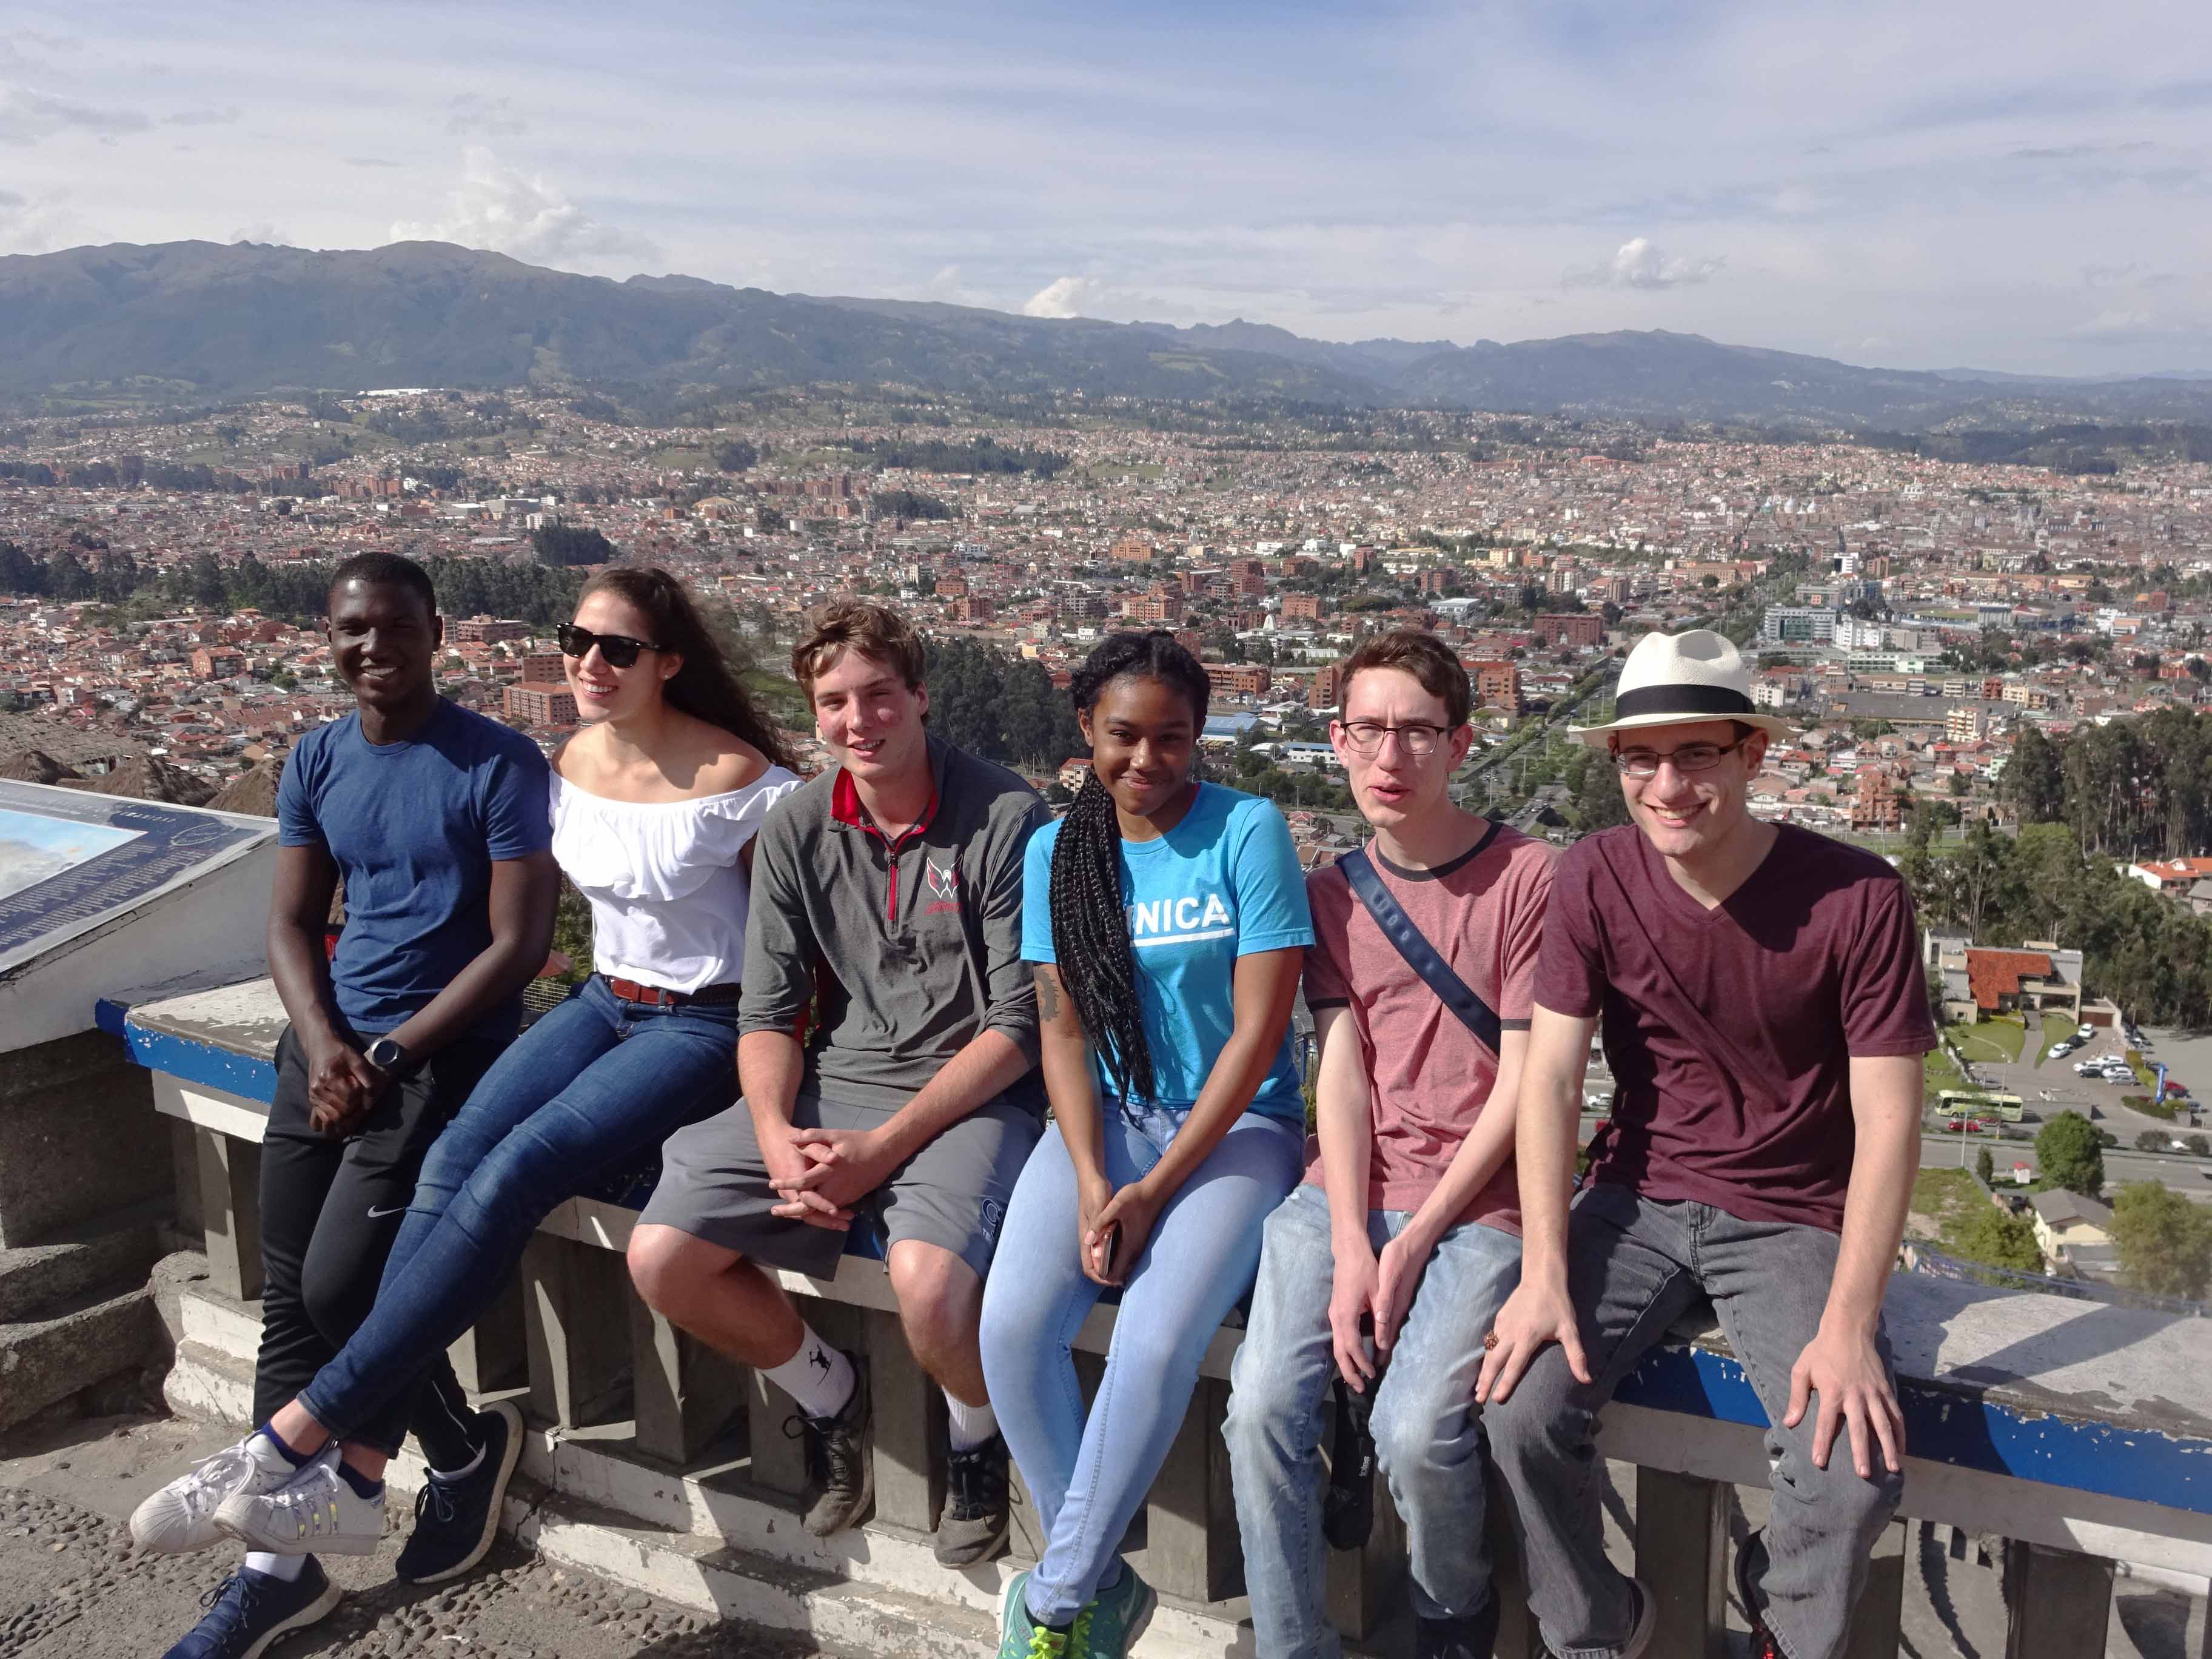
{"x":1945,"y":1198}
{"x":2055,"y":1029}
{"x":1994,"y":1042}
{"x":1941,"y":1074}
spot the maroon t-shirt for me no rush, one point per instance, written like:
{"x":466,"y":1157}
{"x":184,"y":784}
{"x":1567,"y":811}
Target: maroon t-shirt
{"x":1730,"y":1031}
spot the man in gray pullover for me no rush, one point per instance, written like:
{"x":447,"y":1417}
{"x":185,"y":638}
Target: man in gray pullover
{"x":887,"y":1049}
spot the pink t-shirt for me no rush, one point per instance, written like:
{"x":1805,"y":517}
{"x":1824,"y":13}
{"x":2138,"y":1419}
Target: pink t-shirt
{"x":1428,"y":1076}
{"x":1730,"y":1031}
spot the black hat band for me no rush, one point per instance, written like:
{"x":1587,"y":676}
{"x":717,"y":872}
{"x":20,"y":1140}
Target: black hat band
{"x":1679,"y":700}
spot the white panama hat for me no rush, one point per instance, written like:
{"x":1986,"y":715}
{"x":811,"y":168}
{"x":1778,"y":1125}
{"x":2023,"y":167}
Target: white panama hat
{"x":1680,"y":679}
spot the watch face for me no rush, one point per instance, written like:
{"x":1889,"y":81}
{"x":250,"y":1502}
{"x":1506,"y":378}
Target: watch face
{"x":385,"y":1053}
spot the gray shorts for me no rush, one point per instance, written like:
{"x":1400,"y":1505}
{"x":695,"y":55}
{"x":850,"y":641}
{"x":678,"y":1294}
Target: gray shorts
{"x":953,"y":1193}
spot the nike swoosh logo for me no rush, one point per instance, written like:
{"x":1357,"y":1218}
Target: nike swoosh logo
{"x":375,"y":1214}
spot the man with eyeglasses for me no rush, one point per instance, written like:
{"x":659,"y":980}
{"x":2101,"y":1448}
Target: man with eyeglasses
{"x":1387,"y":1266}
{"x":1760,"y":991}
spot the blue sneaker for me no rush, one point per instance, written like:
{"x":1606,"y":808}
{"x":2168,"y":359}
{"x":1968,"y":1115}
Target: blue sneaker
{"x":1119,"y":1616}
{"x":249,"y":1610}
{"x":456,"y":1520}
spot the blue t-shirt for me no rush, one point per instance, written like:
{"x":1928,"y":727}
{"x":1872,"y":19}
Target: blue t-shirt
{"x":414,"y":827}
{"x":1224,"y":883}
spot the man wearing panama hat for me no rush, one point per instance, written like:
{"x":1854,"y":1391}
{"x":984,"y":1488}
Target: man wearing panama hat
{"x":1759,"y":994}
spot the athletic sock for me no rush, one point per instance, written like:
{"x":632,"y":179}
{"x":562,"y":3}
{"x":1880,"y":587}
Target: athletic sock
{"x":463,"y":1473}
{"x":365,"y":1489}
{"x":275,"y":1440}
{"x":971,"y":1425}
{"x":285,"y":1567}
{"x":818,"y":1378}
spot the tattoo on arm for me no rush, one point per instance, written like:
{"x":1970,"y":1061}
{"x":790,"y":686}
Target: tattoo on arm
{"x":1048,"y":989}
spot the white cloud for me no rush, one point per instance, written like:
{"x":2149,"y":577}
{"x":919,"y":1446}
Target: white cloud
{"x":261,"y":230}
{"x":1065,"y":296}
{"x":226,"y":116}
{"x":28,"y":115}
{"x":1641,"y":263}
{"x":501,"y":208}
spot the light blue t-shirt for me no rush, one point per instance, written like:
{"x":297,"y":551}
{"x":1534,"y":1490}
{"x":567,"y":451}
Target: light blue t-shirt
{"x":1223,"y":883}
{"x":414,"y":828}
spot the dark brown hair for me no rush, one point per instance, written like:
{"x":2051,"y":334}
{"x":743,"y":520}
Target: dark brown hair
{"x":876,"y":631}
{"x":704,"y":687}
{"x":1426,"y":657}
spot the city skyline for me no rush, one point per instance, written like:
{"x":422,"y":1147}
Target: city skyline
{"x":1992,"y":187}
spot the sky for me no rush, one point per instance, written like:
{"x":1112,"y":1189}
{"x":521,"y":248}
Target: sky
{"x":2015,"y":185}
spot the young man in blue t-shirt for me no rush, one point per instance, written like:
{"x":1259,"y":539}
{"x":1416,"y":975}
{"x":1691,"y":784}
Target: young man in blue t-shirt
{"x":436,"y":820}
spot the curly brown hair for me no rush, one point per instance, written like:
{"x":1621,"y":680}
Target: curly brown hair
{"x":876,"y":631}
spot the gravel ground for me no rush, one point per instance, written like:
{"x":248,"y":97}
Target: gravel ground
{"x":72,"y":1585}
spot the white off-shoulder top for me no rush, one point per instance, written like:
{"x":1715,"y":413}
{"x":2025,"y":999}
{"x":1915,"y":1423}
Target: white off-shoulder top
{"x":668,"y":895}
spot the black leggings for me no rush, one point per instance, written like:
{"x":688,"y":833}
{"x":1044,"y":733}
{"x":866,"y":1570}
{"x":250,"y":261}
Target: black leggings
{"x":330,"y":1209}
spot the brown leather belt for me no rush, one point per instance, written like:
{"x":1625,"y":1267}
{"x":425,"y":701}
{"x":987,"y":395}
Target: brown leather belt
{"x":654,"y":996}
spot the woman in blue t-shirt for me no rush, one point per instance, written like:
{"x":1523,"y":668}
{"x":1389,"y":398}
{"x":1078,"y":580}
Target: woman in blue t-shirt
{"x":1167,"y":918}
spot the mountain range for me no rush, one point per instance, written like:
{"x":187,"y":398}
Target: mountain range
{"x":200,"y":320}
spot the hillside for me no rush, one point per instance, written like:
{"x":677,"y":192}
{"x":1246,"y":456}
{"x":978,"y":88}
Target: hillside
{"x":203,"y":320}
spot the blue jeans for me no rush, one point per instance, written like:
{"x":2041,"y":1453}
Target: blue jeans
{"x":1089,"y":1476}
{"x":1427,"y":1429}
{"x":596,"y":1081}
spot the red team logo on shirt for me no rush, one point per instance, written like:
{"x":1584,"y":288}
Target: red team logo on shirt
{"x":944,"y":883}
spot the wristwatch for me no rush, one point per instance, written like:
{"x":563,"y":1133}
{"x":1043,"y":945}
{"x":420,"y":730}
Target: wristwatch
{"x":387,"y":1056}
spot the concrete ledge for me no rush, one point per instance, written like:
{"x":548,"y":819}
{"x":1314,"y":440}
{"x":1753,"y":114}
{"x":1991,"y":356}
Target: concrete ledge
{"x":45,"y":1360}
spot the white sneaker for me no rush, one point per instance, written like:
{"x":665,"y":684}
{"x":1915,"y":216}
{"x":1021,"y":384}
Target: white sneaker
{"x":314,"y":1512}
{"x":180,"y":1518}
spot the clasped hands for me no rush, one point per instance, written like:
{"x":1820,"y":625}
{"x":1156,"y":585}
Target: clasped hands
{"x":820,"y":1174}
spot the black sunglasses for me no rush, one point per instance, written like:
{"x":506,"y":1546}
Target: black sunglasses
{"x":619,"y":650}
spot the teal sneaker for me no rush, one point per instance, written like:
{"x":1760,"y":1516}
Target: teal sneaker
{"x":1112,"y":1624}
{"x":1021,"y":1637}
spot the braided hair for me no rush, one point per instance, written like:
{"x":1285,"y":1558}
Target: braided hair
{"x":1090,"y":925}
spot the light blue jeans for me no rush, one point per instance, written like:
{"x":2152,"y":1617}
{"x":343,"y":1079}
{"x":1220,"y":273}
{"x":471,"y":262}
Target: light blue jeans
{"x":1088,"y":1476}
{"x":1427,"y":1427}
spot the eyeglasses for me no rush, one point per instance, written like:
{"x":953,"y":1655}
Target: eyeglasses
{"x":1690,"y":758}
{"x":1365,"y":738}
{"x":618,"y":650}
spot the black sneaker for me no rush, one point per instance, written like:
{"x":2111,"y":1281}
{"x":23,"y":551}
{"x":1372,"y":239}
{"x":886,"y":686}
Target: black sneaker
{"x":841,"y":1464}
{"x":971,"y":1528}
{"x":249,"y":1610}
{"x":1763,"y":1644}
{"x":456,"y":1521}
{"x":1472,"y":1636}
{"x":1347,"y":1509}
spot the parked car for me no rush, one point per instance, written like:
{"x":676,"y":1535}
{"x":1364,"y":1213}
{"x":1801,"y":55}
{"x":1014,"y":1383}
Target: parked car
{"x":2084,"y":1032}
{"x":2089,"y":1068}
{"x":2119,"y":1074}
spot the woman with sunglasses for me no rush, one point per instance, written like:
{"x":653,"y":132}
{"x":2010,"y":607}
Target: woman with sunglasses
{"x":655,"y":805}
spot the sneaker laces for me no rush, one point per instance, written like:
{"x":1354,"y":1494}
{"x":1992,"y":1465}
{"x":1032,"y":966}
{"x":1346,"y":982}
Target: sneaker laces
{"x":214,"y":1478}
{"x":1079,"y":1637}
{"x":439,"y":1503}
{"x":974,"y":1480}
{"x":1046,"y":1642}
{"x":220,"y":1600}
{"x":833,"y":1452}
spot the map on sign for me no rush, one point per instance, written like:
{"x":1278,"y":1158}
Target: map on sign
{"x":33,"y":848}
{"x":70,"y":859}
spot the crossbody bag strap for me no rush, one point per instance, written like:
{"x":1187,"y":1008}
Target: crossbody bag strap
{"x":1412,"y":944}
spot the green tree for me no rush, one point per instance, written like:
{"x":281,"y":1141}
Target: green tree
{"x":2033,"y":780}
{"x":1998,"y":1237}
{"x":2070,"y":1154}
{"x":2165,"y":1240}
{"x":1985,"y":1167}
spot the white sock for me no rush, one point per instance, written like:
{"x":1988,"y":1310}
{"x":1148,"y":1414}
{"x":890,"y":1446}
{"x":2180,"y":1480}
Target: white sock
{"x":971,"y":1425}
{"x":285,"y":1567}
{"x":817,"y":1377}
